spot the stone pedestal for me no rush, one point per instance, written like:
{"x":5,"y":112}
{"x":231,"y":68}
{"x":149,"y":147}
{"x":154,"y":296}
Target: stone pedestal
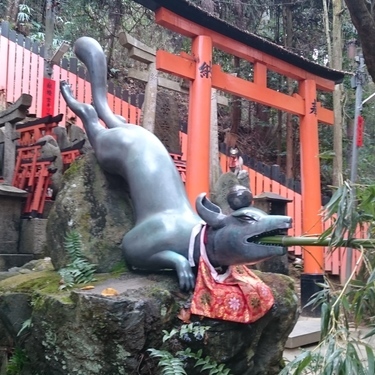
{"x":11,"y":200}
{"x":33,"y":237}
{"x":84,"y":332}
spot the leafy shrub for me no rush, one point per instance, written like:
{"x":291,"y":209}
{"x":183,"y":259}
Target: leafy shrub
{"x":16,"y":362}
{"x":343,"y":350}
{"x":79,"y":271}
{"x":175,"y":364}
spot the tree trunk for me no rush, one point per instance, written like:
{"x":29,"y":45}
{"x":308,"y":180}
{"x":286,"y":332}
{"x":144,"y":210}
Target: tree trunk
{"x":12,"y":10}
{"x":279,"y":136}
{"x":215,"y":170}
{"x":326,"y":29}
{"x":235,"y":115}
{"x":288,"y":41}
{"x":362,"y":15}
{"x":336,"y":63}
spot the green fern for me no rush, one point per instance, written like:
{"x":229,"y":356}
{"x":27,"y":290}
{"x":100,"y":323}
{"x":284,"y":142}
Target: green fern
{"x":73,"y":245}
{"x":79,"y":271}
{"x":16,"y":362}
{"x":206,"y":363}
{"x":169,"y":364}
{"x":174,"y":364}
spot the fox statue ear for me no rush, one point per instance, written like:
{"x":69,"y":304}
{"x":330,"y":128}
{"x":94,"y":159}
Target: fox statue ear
{"x":209,"y":212}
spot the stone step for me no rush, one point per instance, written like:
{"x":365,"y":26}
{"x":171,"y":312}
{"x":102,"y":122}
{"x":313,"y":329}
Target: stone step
{"x":14,"y":260}
{"x":305,"y":332}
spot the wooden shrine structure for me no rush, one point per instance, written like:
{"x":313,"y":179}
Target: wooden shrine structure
{"x":208,"y":32}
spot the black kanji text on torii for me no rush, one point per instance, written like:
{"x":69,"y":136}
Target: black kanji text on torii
{"x":314,"y":107}
{"x":205,"y":70}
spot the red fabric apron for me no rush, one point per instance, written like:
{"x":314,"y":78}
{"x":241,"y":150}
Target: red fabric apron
{"x":238,"y":295}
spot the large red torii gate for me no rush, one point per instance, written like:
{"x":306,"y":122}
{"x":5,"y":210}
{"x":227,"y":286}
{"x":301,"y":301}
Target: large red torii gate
{"x":207,"y":32}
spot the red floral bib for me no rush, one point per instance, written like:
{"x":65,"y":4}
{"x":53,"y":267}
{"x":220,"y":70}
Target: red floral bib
{"x":238,"y":295}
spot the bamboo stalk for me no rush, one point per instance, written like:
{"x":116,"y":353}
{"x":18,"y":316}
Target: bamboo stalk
{"x":317,"y":241}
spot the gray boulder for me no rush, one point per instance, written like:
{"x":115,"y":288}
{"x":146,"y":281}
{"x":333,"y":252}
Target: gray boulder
{"x":62,"y":137}
{"x":84,"y":332}
{"x":78,"y":136}
{"x":95,"y":205}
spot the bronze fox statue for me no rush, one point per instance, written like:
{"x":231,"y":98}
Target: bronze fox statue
{"x":164,"y":217}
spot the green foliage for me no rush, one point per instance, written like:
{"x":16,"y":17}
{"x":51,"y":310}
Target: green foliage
{"x":341,"y":209}
{"x":27,"y":324}
{"x":24,"y":13}
{"x":337,"y":357}
{"x":169,"y":364}
{"x":175,"y":364}
{"x":185,"y":330}
{"x":351,"y":206}
{"x":79,"y":271}
{"x":342,"y":350}
{"x":16,"y":362}
{"x":119,"y":268}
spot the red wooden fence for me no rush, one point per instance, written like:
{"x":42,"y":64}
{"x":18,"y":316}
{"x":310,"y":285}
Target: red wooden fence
{"x":22,"y":69}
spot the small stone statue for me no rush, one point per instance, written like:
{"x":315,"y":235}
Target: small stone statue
{"x":238,"y":197}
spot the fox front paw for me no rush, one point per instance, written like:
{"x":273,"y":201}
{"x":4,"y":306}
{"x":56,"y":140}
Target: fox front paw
{"x":186,"y":278}
{"x":65,"y":88}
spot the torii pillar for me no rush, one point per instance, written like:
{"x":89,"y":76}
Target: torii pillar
{"x":198,"y":147}
{"x":311,"y":192}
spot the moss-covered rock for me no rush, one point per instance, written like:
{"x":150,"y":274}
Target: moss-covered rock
{"x":83,"y":332}
{"x":96,"y":205}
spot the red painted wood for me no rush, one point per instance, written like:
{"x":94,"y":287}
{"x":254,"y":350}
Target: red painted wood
{"x":117,"y":106}
{"x":48,"y":104}
{"x":327,"y":260}
{"x":33,"y":81}
{"x":39,"y":82}
{"x":252,"y":175}
{"x":72,"y":79}
{"x":223,"y":162}
{"x":259,"y":184}
{"x":190,"y":29}
{"x":3,"y":62}
{"x":80,"y":96}
{"x":18,"y":84}
{"x":56,"y":76}
{"x":62,"y":104}
{"x":132,"y":115}
{"x":110,"y":99}
{"x":275,"y":187}
{"x":26,"y":72}
{"x":125,"y":110}
{"x":310,"y":175}
{"x":88,"y":93}
{"x":266,"y":184}
{"x":11,"y":72}
{"x":298,"y":218}
{"x":283,"y":191}
{"x":183,"y":143}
